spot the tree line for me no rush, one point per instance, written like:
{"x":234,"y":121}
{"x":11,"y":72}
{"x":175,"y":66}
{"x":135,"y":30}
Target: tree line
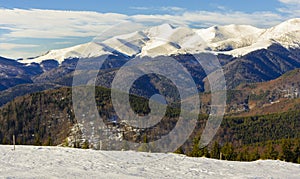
{"x":286,"y":150}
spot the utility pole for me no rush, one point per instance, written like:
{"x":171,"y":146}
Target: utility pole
{"x":14,"y":141}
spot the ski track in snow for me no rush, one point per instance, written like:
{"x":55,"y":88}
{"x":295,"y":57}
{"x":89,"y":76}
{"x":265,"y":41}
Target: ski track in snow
{"x":58,"y":162}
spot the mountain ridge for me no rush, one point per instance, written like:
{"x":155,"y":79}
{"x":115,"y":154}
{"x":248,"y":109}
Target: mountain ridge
{"x":165,"y":39}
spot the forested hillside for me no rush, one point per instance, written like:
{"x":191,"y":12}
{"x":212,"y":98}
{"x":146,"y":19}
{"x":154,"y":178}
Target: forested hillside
{"x":47,"y":118}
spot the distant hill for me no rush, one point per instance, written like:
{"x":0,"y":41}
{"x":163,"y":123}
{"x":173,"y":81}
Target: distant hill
{"x":279,"y":95}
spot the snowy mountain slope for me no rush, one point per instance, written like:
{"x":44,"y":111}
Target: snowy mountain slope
{"x":56,"y":162}
{"x":292,"y":25}
{"x":165,"y":39}
{"x":286,"y":34}
{"x":235,"y":36}
{"x":90,"y":49}
{"x":128,"y":44}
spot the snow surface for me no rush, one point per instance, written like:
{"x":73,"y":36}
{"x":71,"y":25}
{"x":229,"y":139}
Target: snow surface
{"x":58,"y":162}
{"x":165,"y":39}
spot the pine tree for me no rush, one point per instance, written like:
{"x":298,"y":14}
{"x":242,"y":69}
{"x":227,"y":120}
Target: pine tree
{"x":49,"y":141}
{"x":270,"y":153}
{"x":286,"y":151}
{"x":37,"y":140}
{"x":243,"y":155}
{"x":144,"y":148}
{"x":228,"y":152}
{"x":215,"y":151}
{"x":205,"y":152}
{"x":197,"y":151}
{"x":179,"y":150}
{"x":297,"y":153}
{"x":85,"y":145}
{"x":255,"y":155}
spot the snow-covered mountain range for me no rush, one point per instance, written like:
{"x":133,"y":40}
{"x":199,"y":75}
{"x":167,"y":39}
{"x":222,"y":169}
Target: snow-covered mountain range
{"x":235,"y":40}
{"x":251,"y":55}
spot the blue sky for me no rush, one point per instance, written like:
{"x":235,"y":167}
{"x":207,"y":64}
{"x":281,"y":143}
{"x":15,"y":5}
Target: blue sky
{"x":32,"y":27}
{"x":128,"y":6}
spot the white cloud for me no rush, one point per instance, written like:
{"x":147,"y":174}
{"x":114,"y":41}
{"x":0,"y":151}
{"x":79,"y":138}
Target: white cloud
{"x":15,"y":50}
{"x":291,"y":7}
{"x":163,"y":9}
{"x":140,"y":8}
{"x":291,"y":11}
{"x":172,"y":8}
{"x":17,"y":54}
{"x":223,"y":8}
{"x":55,"y":24}
{"x":11,"y":46}
{"x":62,"y":43}
{"x":205,"y":18}
{"x":290,"y":1}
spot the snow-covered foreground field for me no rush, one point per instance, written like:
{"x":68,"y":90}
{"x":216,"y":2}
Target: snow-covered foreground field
{"x":57,"y":162}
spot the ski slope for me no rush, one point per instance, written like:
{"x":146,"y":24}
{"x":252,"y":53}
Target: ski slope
{"x":58,"y":162}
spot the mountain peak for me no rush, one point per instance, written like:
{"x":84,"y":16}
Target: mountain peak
{"x":288,"y":26}
{"x":293,"y":21}
{"x":164,"y":28}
